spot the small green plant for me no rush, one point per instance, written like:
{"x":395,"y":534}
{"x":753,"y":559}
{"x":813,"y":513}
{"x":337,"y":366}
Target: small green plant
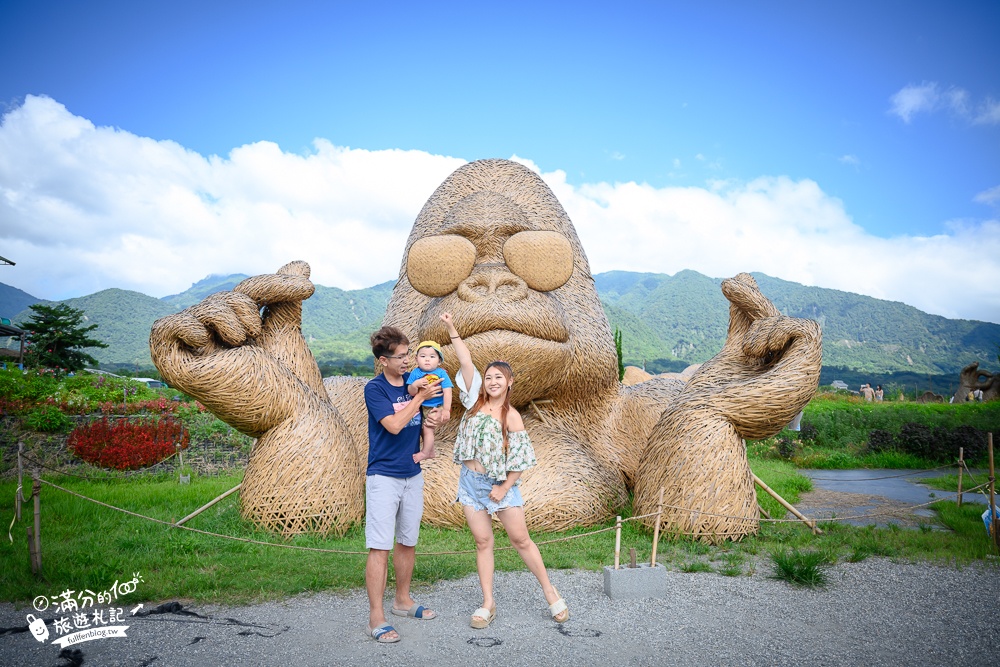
{"x":786,"y":446}
{"x":48,"y":419}
{"x":732,"y":565}
{"x":618,"y":350}
{"x":800,"y":568}
{"x":695,"y":566}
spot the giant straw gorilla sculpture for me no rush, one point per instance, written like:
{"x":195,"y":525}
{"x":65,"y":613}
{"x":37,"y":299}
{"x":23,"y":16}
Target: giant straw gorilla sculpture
{"x":495,"y":248}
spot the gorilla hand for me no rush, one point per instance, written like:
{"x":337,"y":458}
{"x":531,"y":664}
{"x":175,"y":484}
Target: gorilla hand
{"x":256,"y":373}
{"x":765,"y":373}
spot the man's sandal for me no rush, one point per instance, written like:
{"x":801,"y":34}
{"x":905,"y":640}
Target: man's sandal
{"x":417,"y":611}
{"x":559,"y":610}
{"x":482,"y":617}
{"x":379,"y":632}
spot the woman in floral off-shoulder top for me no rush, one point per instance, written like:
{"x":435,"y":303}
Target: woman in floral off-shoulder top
{"x":494,"y":450}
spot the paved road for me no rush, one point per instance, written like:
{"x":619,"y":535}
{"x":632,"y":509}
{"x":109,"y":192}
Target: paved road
{"x":871,"y":613}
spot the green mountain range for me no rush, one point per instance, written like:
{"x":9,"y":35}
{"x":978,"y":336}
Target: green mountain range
{"x":667,"y":322}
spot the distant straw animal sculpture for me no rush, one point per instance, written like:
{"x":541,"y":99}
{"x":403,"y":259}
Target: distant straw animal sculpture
{"x":495,"y":248}
{"x":972,"y":378}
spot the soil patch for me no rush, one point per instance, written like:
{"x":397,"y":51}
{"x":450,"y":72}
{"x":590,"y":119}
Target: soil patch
{"x":861,"y":509}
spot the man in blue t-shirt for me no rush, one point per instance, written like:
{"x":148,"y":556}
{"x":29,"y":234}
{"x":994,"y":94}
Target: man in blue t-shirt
{"x":394,"y":486}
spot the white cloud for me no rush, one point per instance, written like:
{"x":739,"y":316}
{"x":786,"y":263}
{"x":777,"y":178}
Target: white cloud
{"x":929,"y":97}
{"x":85,"y":208}
{"x":915,"y":99}
{"x":988,"y":113}
{"x":784,"y":228}
{"x":850,"y":160}
{"x":991,"y":196}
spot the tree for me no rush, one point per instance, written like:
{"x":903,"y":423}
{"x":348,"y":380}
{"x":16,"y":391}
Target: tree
{"x":618,"y":350}
{"x":56,"y":338}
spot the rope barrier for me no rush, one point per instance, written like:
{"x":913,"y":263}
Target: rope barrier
{"x":978,"y":487}
{"x":120,"y":474}
{"x":318,"y":549}
{"x":17,"y":498}
{"x":864,"y":479}
{"x":470,"y":551}
{"x":872,"y":479}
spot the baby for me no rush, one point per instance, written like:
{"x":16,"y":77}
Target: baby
{"x":429,"y":360}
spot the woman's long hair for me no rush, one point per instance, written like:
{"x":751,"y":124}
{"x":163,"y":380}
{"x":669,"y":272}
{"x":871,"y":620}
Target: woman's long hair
{"x":481,"y":401}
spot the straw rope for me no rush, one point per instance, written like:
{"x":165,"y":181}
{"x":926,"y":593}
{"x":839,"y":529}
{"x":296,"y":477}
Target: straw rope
{"x":865,"y":479}
{"x":316,"y":549}
{"x":557,"y":540}
{"x":124,"y":474}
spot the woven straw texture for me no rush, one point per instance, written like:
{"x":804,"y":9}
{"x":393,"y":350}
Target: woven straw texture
{"x":635,"y":375}
{"x":765,"y":373}
{"x":972,"y":378}
{"x":495,"y":248}
{"x":259,"y":376}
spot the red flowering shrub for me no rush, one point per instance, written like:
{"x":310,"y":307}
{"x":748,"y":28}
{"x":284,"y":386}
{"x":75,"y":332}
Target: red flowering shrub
{"x":126,"y":445}
{"x":13,"y":406}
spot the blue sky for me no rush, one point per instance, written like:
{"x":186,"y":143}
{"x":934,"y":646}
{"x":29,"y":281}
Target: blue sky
{"x":875,"y":125}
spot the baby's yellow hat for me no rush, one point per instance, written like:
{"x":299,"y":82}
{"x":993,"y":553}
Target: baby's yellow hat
{"x":430,"y":343}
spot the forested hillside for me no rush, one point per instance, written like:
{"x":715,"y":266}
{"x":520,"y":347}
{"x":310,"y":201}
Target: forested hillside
{"x":203,"y":288}
{"x":667,"y":323}
{"x":13,"y":301}
{"x":123,"y":320}
{"x":685,"y":316}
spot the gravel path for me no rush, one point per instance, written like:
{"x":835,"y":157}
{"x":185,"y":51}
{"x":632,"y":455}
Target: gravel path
{"x":871,"y":613}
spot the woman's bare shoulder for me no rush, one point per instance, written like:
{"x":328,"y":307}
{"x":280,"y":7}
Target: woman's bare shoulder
{"x":514,"y":421}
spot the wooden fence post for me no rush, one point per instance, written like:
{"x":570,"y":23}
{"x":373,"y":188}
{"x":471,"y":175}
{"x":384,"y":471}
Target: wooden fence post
{"x":993,"y":503}
{"x":618,"y":541}
{"x":656,"y":531}
{"x":961,"y":464}
{"x":35,"y":536}
{"x":19,"y":496}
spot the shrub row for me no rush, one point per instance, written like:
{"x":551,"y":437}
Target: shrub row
{"x":127,"y":445}
{"x":937,"y":443}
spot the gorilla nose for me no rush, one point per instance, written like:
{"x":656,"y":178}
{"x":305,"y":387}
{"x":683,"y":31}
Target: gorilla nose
{"x":492,"y":284}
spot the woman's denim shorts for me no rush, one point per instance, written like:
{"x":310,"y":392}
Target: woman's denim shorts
{"x":474,"y":491}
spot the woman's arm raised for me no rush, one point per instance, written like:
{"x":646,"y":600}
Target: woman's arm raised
{"x":461,"y":351}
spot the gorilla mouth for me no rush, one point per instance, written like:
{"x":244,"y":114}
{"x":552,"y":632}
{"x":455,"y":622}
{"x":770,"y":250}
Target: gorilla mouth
{"x":540,"y":323}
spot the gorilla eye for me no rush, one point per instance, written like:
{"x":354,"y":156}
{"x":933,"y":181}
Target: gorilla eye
{"x":544,"y":260}
{"x":436,"y":265}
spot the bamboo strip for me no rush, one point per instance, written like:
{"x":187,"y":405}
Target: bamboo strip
{"x":208,"y":504}
{"x":784,"y":503}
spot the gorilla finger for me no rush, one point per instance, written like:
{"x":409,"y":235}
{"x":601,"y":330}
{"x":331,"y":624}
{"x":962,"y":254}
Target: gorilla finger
{"x":182,"y":327}
{"x":246,"y":311}
{"x":275,"y":288}
{"x":772,"y":334}
{"x":742,"y":292}
{"x":217,"y":314}
{"x":296,"y":268}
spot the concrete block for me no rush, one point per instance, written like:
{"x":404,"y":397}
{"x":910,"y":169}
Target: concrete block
{"x":644,"y":581}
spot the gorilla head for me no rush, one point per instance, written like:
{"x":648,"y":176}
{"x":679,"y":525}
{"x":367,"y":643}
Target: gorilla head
{"x":495,"y":248}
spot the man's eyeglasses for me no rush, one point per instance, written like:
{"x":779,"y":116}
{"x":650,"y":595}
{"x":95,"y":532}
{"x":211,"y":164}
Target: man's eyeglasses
{"x":399,"y":357}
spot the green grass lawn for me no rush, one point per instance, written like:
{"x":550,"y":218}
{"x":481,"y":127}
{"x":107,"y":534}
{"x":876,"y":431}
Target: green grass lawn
{"x":87,"y":546}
